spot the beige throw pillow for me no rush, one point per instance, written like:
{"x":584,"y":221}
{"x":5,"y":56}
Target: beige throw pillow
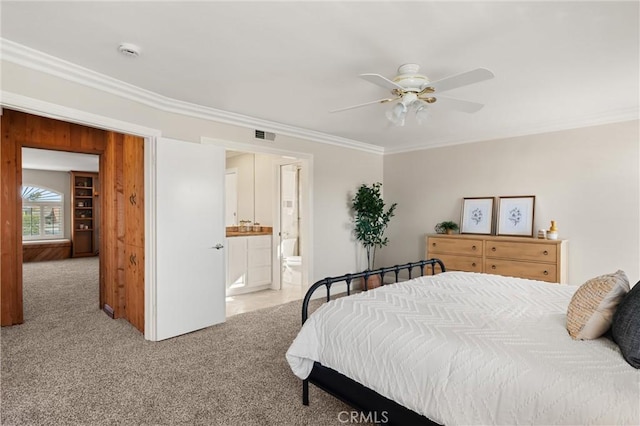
{"x":592,"y":306}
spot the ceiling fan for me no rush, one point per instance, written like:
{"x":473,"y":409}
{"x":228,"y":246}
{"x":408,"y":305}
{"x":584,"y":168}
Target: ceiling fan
{"x":415,"y":91}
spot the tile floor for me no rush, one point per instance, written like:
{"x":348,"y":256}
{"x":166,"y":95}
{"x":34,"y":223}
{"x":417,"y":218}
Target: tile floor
{"x":263,"y":299}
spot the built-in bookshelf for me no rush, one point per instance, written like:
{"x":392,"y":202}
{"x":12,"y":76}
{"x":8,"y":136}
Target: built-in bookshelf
{"x":84,"y":216}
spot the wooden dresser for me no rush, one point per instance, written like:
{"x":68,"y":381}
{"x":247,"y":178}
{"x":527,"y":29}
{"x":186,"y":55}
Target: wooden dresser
{"x":537,"y":259}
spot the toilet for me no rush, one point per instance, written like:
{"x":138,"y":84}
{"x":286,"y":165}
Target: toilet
{"x":291,"y":264}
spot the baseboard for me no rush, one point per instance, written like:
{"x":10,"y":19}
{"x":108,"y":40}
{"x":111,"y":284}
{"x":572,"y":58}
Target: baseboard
{"x":108,"y":310}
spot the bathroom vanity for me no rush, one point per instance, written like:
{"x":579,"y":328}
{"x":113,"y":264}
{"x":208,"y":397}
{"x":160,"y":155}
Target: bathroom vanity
{"x":248,"y":257}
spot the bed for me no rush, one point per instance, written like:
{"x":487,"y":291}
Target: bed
{"x":461,"y":348}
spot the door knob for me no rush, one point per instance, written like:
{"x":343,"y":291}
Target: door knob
{"x":218,"y":246}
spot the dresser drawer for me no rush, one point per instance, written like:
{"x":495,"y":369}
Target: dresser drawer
{"x":456,"y":246}
{"x":530,"y":270}
{"x":521,"y":251}
{"x":459,"y":263}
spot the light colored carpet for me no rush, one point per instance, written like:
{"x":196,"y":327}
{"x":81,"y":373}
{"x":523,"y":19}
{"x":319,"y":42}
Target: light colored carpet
{"x":71,"y":364}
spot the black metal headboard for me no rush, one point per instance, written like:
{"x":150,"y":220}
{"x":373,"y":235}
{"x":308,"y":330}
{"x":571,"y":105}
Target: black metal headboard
{"x":348,"y":279}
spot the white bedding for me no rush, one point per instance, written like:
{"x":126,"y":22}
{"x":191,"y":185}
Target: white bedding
{"x":467,"y":348}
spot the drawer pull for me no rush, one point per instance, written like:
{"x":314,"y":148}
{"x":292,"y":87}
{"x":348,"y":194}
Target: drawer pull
{"x":473,"y":247}
{"x":493,"y":249}
{"x":546,"y":272}
{"x":545,"y":252}
{"x":433,"y":244}
{"x":493,"y":266}
{"x":473,"y":264}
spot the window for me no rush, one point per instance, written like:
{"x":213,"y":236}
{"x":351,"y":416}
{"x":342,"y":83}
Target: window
{"x":42,"y":213}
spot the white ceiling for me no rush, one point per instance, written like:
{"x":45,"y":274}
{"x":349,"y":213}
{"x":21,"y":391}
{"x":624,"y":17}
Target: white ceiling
{"x":557,"y":64}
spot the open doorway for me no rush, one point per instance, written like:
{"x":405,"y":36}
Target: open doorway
{"x":122,"y":174}
{"x":60,"y":225}
{"x":264,"y":239}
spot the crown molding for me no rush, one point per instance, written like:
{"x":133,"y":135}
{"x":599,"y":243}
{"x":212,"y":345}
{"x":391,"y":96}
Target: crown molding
{"x":39,"y":61}
{"x":617,"y":116}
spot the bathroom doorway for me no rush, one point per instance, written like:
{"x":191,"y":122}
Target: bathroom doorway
{"x":290,"y":235}
{"x":272,"y":192}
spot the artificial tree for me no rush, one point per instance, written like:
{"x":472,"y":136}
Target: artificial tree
{"x":371,"y":219}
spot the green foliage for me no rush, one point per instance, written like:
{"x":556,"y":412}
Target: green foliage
{"x":371,"y":219}
{"x":442,"y":227}
{"x":30,"y":224}
{"x":34,"y":196}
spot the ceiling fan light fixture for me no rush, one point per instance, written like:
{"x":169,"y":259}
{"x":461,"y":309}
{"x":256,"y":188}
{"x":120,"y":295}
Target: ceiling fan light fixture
{"x":422,"y":112}
{"x":413,"y":91}
{"x":397,"y":114}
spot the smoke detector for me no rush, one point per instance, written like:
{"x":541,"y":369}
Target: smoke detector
{"x":129,"y":49}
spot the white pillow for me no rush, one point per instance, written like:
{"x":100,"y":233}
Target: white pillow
{"x":592,"y":306}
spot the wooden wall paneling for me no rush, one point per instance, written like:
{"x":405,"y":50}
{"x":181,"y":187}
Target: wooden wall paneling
{"x":133,"y":156}
{"x":120,"y":256}
{"x":134,"y":278}
{"x":105,"y":232}
{"x":47,"y":133}
{"x":37,"y":252}
{"x":108,"y":242}
{"x":96,"y":214}
{"x":134,"y":190}
{"x":84,"y":138}
{"x":13,"y":128}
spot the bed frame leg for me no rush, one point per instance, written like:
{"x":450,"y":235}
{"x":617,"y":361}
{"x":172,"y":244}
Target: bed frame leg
{"x":305,"y":392}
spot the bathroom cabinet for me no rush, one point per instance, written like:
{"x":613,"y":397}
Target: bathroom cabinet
{"x":248,"y":263}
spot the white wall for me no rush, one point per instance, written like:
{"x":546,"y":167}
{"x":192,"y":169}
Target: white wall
{"x":256,"y":186}
{"x":59,"y":182}
{"x":265,"y":187}
{"x":245,"y":184}
{"x":586,"y":179}
{"x":337,"y":171}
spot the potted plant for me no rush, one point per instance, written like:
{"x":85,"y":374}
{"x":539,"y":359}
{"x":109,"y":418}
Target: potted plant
{"x":446,"y":227}
{"x":371,"y":220}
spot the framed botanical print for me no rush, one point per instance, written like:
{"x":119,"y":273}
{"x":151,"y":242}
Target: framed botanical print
{"x":515,"y":215}
{"x":477,"y":215}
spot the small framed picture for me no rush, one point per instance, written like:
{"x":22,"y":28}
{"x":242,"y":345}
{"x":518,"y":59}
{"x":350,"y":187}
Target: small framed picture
{"x":515,"y":215}
{"x":477,"y":215}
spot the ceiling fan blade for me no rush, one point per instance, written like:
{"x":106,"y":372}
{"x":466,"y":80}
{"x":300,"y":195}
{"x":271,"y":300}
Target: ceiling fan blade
{"x":459,"y":80}
{"x":379,"y":101}
{"x":379,"y":80}
{"x":459,"y":105}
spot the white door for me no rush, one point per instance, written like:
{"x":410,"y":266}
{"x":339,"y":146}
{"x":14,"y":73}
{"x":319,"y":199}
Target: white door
{"x":190,"y":224}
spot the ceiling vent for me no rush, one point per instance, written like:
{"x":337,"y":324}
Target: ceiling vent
{"x":261,"y":134}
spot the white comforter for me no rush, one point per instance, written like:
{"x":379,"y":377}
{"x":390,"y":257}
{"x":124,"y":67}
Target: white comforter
{"x":466,"y":348}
